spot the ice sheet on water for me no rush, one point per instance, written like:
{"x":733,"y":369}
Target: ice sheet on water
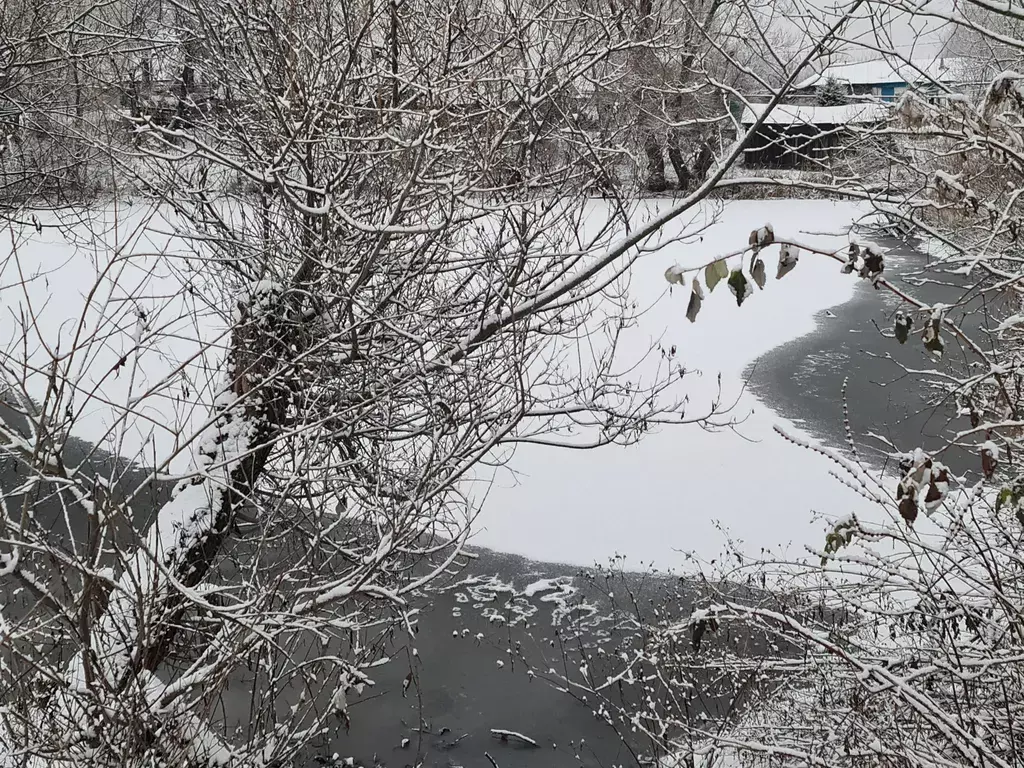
{"x":657,"y":500}
{"x":140,"y":386}
{"x":546,"y":585}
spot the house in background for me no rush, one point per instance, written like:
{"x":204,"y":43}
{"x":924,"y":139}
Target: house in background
{"x":804,"y":136}
{"x":887,"y":80}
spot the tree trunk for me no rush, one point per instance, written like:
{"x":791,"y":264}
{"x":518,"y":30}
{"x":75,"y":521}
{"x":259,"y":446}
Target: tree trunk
{"x":705,"y":159}
{"x":655,"y":181}
{"x":190,"y":529}
{"x":679,"y":165}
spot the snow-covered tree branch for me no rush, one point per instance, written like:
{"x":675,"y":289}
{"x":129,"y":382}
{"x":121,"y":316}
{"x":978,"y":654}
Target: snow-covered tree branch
{"x":367,"y":268}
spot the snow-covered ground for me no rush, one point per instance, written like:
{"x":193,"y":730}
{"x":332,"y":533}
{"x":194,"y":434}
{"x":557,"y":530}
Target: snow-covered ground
{"x":674,"y":492}
{"x":683,"y":489}
{"x":122,"y":264}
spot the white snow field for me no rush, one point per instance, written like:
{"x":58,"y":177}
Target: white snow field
{"x":113,"y":260}
{"x":683,"y":489}
{"x":649,"y":502}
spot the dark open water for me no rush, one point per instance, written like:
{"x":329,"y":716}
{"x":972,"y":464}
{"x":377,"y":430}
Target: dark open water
{"x":803,"y":380}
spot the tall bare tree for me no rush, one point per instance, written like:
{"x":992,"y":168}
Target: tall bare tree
{"x":382,"y":213}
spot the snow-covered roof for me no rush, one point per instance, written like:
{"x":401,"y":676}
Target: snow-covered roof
{"x":942,"y":70}
{"x":792,"y":114}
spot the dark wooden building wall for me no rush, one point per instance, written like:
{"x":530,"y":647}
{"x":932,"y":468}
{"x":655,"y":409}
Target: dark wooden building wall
{"x":799,"y":145}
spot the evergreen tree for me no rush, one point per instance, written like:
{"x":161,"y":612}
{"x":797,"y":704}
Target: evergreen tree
{"x":832,"y":93}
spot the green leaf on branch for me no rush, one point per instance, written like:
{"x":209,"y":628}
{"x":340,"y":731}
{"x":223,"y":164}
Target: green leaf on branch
{"x":1013,"y":496}
{"x":696,"y":300}
{"x":840,"y":536}
{"x":758,"y":273}
{"x":740,"y":286}
{"x":1004,"y":496}
{"x":714,"y":273}
{"x":674,"y":275}
{"x":789,"y":255}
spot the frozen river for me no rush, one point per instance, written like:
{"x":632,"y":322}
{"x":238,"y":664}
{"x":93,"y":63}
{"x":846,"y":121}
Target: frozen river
{"x":780,"y":360}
